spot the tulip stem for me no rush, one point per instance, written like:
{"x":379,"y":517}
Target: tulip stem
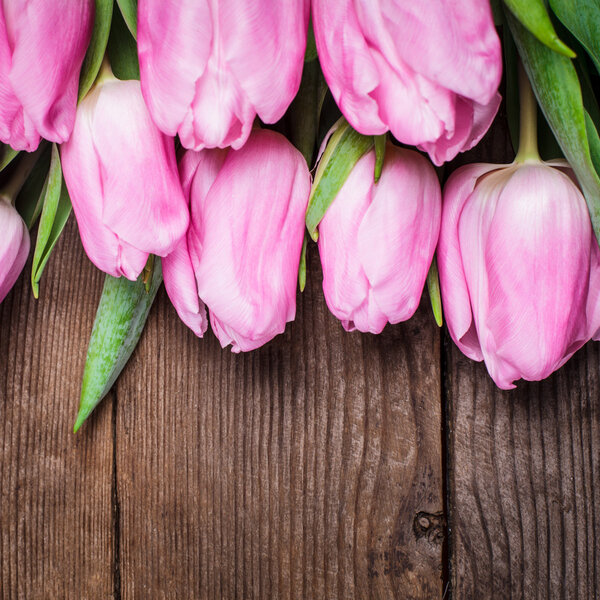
{"x":105,"y":71}
{"x":13,"y":186}
{"x":528,"y":146}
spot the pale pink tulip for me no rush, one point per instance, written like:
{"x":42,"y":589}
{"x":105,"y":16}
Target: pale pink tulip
{"x":376,"y":241}
{"x":121,"y":174}
{"x":42,"y":46}
{"x":14,"y":246}
{"x":208,"y":67}
{"x":426,"y":71}
{"x":519,"y":267}
{"x":242,"y":250}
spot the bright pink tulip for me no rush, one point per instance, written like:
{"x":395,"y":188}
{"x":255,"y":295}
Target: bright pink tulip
{"x":376,"y":241}
{"x":122,"y":177}
{"x":208,"y":67}
{"x":519,"y":267}
{"x":14,"y":246}
{"x":242,"y":249}
{"x":426,"y":71}
{"x":42,"y":46}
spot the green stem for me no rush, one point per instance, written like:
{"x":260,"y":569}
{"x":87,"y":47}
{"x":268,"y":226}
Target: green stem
{"x":11,"y":189}
{"x":528,"y":146}
{"x":105,"y":71}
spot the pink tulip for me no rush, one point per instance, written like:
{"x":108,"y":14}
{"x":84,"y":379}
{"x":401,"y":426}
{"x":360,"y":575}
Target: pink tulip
{"x":42,"y":46}
{"x":376,"y":241}
{"x":121,"y":174}
{"x":242,"y":250}
{"x":14,"y":246}
{"x":519,"y":267}
{"x":426,"y":71}
{"x":208,"y":67}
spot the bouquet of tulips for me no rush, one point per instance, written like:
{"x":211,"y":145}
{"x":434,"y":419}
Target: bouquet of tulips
{"x":207,"y":142}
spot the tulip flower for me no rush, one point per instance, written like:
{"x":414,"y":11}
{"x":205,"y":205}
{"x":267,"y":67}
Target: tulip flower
{"x":426,"y":71}
{"x":121,"y":174}
{"x":376,"y":241}
{"x":208,"y":68}
{"x":519,"y":267}
{"x":42,"y":46}
{"x":242,"y":250}
{"x":14,"y":246}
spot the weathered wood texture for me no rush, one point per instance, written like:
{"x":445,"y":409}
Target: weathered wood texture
{"x":524,"y":482}
{"x":308,"y":469}
{"x":296,"y":471}
{"x":56,"y":530}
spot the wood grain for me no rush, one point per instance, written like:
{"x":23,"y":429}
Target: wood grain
{"x":310,"y":468}
{"x":55,"y":488}
{"x":524,"y":478}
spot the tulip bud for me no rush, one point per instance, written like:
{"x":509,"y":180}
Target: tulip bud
{"x":427,"y":72}
{"x":208,"y":68}
{"x":241,"y":253}
{"x":519,"y":267}
{"x":42,"y":46}
{"x":14,"y":246}
{"x":376,"y":241}
{"x":121,"y":174}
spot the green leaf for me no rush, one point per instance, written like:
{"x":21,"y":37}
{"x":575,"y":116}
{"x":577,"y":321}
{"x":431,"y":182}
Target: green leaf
{"x":56,"y":211}
{"x":380,"y":141}
{"x":582,"y":19}
{"x":433,"y":287}
{"x":343,"y":151}
{"x":7,"y":155}
{"x":302,"y":117}
{"x":129,"y":12}
{"x":594,"y":141}
{"x":311,"y":46}
{"x":120,"y":320}
{"x":556,"y":86}
{"x":302,"y":266}
{"x":533,"y":15}
{"x":122,"y":50}
{"x":30,"y":199}
{"x":97,"y":47}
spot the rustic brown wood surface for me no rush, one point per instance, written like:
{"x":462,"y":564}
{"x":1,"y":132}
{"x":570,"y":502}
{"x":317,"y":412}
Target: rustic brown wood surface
{"x":325,"y":465}
{"x":311,"y":468}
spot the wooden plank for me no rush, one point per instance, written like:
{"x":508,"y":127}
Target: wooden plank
{"x":310,"y":468}
{"x":55,"y":487}
{"x":524,"y":482}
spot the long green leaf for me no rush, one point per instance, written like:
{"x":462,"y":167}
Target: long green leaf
{"x":129,"y":12}
{"x":343,"y":151}
{"x":122,"y":50}
{"x":594,"y":141}
{"x":56,"y":211}
{"x":97,"y":47}
{"x":30,"y":199}
{"x":556,"y":86}
{"x":582,"y":19}
{"x":120,"y":320}
{"x":7,"y":155}
{"x":533,"y":15}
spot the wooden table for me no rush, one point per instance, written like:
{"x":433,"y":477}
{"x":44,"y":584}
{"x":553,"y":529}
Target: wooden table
{"x":325,"y":465}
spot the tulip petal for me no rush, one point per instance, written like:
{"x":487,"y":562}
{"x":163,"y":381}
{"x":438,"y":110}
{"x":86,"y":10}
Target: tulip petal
{"x":347,"y":64}
{"x":455,"y":293}
{"x":345,"y":283}
{"x":525,"y":273}
{"x":174,"y":44}
{"x":452,"y":43}
{"x":14,"y":247}
{"x":50,"y":40}
{"x":399,"y":232}
{"x":180,"y":283}
{"x":251,"y":237}
{"x":263,"y":44}
{"x":143,"y":202}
